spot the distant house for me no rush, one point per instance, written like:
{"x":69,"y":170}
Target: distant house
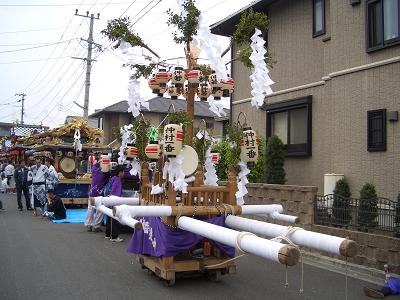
{"x":117,"y":115}
{"x":337,"y":89}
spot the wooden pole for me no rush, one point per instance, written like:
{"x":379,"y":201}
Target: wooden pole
{"x":190,"y":98}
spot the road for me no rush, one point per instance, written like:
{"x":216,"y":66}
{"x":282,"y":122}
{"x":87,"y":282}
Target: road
{"x":42,"y":260}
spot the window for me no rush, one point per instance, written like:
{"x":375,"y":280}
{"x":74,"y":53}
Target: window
{"x":100,"y":123}
{"x":318,"y":17}
{"x":291,"y":122}
{"x":382,"y":23}
{"x":210,"y":125}
{"x":377,"y":130}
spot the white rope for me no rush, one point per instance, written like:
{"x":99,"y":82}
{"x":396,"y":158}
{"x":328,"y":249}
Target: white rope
{"x":285,"y":237}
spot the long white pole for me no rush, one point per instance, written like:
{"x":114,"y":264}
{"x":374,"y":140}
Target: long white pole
{"x":319,"y":241}
{"x":114,"y":200}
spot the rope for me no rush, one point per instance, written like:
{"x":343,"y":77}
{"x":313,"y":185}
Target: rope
{"x":178,"y":215}
{"x":284,"y":237}
{"x":238,"y":241}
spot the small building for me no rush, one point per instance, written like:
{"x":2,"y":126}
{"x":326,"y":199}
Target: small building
{"x":337,"y":89}
{"x":117,"y":115}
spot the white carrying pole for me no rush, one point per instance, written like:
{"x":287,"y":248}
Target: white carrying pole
{"x":114,"y":200}
{"x":274,"y":211}
{"x":247,"y":242}
{"x":319,"y":241}
{"x":123,"y":219}
{"x":143,"y":211}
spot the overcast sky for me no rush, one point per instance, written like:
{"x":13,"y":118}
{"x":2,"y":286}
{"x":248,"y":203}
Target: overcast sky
{"x":51,"y":79}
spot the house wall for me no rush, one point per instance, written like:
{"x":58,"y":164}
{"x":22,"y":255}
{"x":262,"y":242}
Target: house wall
{"x":310,"y":66}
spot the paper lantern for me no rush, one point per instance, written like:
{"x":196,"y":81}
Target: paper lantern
{"x":227,"y":87}
{"x":162,"y":90}
{"x":204,"y":91}
{"x":174,"y":91}
{"x":173,"y":138}
{"x":194,"y":76}
{"x":153,"y":151}
{"x":130,"y":151}
{"x":162,"y":77}
{"x":249,"y":146}
{"x":70,"y":154}
{"x":105,"y":163}
{"x":155,"y":87}
{"x":215,"y":157}
{"x":92,"y":159}
{"x":216,"y":85}
{"x":217,"y":93}
{"x":178,"y":77}
{"x":59,"y":153}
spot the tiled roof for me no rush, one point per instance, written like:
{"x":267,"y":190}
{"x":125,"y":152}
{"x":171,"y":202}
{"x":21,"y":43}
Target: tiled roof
{"x":161,"y":105}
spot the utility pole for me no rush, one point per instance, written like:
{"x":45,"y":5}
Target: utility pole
{"x":88,"y":60}
{"x":22,"y":95}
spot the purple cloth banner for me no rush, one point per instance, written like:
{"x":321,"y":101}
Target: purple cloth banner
{"x":157,"y":239}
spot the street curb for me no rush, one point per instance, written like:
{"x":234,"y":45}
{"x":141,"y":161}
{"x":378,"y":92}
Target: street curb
{"x":360,"y":272}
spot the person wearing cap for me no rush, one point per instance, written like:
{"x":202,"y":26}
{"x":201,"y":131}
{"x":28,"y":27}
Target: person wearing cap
{"x":55,"y":209}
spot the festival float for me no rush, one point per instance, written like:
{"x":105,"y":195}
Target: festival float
{"x":184,"y":221}
{"x":71,"y":147}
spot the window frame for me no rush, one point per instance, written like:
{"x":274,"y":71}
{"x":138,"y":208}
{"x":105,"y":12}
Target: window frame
{"x":381,"y":147}
{"x":292,"y":150}
{"x":384,"y":44}
{"x":323,"y":30}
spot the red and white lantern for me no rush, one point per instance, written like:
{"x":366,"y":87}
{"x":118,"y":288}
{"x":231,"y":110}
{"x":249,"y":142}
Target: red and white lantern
{"x":162,"y":77}
{"x":194,"y":76}
{"x":249,"y":146}
{"x":155,"y":87}
{"x":178,"y":76}
{"x":105,"y":163}
{"x":131,"y":151}
{"x":227,"y":86}
{"x":215,"y":157}
{"x":153,"y":151}
{"x":204,"y":91}
{"x":173,"y":139}
{"x":174,"y":91}
{"x":92,"y":159}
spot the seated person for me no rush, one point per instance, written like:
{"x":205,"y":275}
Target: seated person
{"x":391,"y":287}
{"x":55,"y":209}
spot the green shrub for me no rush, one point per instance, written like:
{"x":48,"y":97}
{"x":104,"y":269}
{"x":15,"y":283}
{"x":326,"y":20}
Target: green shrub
{"x":368,"y":207}
{"x":223,"y":148}
{"x":341,"y":202}
{"x":275,"y":160}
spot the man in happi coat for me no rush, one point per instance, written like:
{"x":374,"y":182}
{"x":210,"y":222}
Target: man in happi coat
{"x":52,"y":179}
{"x":94,"y":218}
{"x":40,"y":173}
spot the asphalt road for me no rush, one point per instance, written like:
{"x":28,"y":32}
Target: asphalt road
{"x":42,"y":260}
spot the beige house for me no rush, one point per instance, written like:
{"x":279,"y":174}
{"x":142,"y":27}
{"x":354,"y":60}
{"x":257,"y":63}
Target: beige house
{"x":337,"y":89}
{"x":117,"y":115}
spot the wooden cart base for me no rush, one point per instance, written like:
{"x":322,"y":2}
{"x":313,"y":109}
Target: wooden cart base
{"x":168,"y":268}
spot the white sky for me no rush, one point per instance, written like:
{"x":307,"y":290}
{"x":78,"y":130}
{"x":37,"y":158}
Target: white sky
{"x":53,"y":84}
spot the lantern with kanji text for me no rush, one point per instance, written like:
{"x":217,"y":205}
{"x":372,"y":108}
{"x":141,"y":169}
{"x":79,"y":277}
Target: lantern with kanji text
{"x":204,"y":91}
{"x":194,"y":76}
{"x":227,"y":86}
{"x":178,"y":77}
{"x":162,"y":90}
{"x":153,"y":151}
{"x":249,"y":146}
{"x":130,"y":151}
{"x":174,"y":91}
{"x":173,"y":139}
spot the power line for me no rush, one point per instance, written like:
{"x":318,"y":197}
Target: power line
{"x":32,"y":60}
{"x":32,"y":30}
{"x":61,"y":4}
{"x":30,"y":48}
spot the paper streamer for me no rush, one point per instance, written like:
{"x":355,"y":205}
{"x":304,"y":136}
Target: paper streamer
{"x":77,"y":140}
{"x":175,"y":173}
{"x":125,"y":132}
{"x":135,"y":100}
{"x":260,"y":80}
{"x":241,"y":184}
{"x":209,"y":44}
{"x":136,"y":168}
{"x":216,"y":106}
{"x":156,"y":189}
{"x":210,"y":176}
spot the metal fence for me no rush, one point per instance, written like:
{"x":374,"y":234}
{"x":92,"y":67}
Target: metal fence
{"x":370,"y":215}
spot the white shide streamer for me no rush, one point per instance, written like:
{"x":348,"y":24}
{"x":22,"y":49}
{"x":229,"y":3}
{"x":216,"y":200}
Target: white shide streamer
{"x":125,"y":132}
{"x":260,"y":80}
{"x":209,"y":44}
{"x":210,"y":176}
{"x":241,"y":184}
{"x":135,"y":100}
{"x":175,"y":173}
{"x":216,"y":106}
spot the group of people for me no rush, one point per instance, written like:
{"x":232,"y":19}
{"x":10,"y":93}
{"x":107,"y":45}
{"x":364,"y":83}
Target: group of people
{"x":36,"y":182}
{"x":106,"y":184}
